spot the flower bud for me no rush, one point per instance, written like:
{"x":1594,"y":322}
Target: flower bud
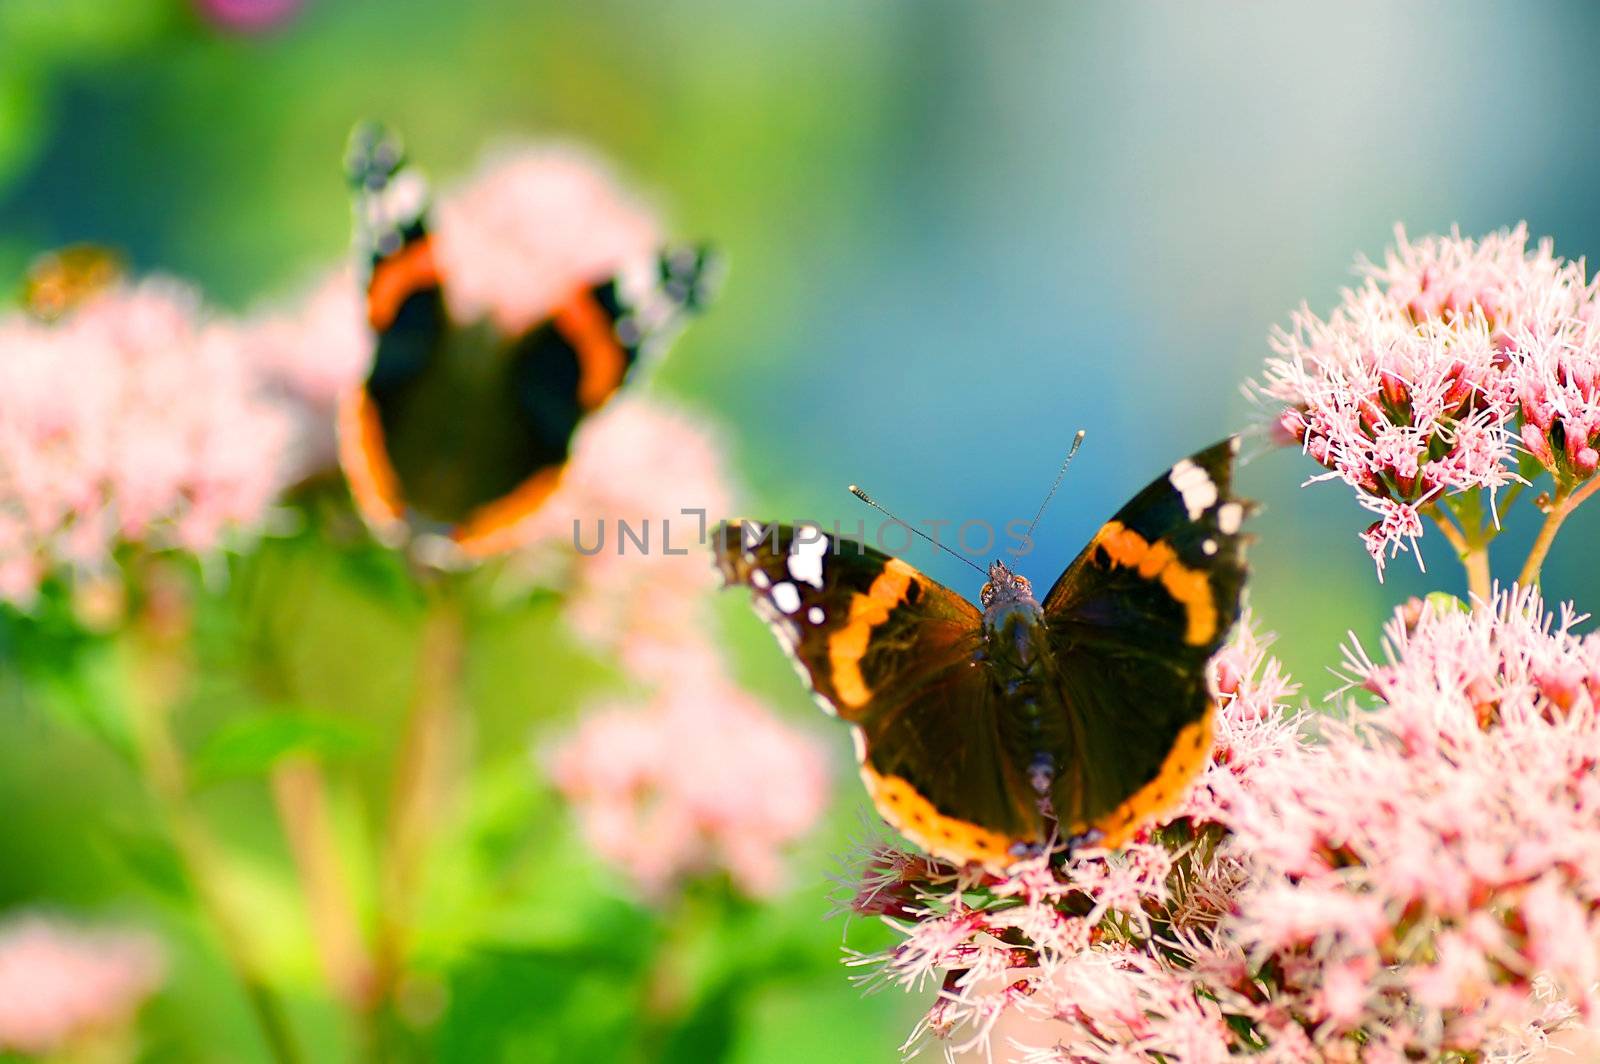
{"x":1289,"y":428}
{"x":1533,"y":438}
{"x":1395,"y":392}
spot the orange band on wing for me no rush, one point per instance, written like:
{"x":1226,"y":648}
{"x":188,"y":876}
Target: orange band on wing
{"x":365,"y":458}
{"x":1188,"y":756}
{"x":499,"y":526}
{"x":945,"y":837}
{"x":395,"y":278}
{"x":848,"y":645}
{"x":583,"y":322}
{"x":1190,"y":588}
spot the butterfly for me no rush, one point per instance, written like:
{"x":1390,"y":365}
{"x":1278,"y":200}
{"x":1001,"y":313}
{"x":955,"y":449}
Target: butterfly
{"x":460,"y":430}
{"x":984,"y":732}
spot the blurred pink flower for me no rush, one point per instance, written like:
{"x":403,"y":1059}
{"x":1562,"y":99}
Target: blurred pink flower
{"x":534,"y":223}
{"x":1409,"y":391}
{"x":309,"y":351}
{"x":131,"y":419}
{"x":248,"y":16}
{"x":318,"y":345}
{"x":643,"y":595}
{"x":700,"y":779}
{"x":59,"y":982}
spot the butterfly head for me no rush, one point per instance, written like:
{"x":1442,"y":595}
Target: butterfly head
{"x":1011,"y":618}
{"x":1005,"y":588}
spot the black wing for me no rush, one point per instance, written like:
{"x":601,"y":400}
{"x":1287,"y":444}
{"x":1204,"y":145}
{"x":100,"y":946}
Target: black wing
{"x":1133,"y":622}
{"x":568,"y":366}
{"x":895,"y":654}
{"x":405,"y":308}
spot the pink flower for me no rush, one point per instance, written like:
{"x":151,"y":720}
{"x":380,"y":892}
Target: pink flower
{"x":617,"y":540}
{"x":248,"y":16}
{"x":533,"y":224}
{"x":308,"y":352}
{"x":59,"y":982}
{"x":1558,"y":385}
{"x":1446,"y":833}
{"x":1409,"y":391}
{"x":1497,"y":279}
{"x":131,"y":419}
{"x":700,"y":779}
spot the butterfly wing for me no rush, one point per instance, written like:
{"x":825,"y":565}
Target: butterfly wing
{"x":1133,"y":622}
{"x":571,"y":364}
{"x":406,"y":311}
{"x":896,"y":655}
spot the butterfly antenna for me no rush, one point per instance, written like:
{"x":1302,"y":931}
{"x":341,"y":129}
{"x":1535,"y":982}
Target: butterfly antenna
{"x":870,"y":501}
{"x":1077,"y":441}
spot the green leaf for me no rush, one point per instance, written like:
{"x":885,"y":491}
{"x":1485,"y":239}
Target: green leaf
{"x":153,"y":861}
{"x":251,"y":745}
{"x":1442,"y":603}
{"x":542,"y":1006}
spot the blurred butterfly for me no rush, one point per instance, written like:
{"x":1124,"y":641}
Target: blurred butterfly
{"x":61,"y":279}
{"x":983,"y":734}
{"x":459,"y":429}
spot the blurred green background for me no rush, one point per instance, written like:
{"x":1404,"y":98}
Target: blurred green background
{"x":957,"y":232}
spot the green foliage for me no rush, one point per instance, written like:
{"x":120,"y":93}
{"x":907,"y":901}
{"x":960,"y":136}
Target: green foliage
{"x":252,"y":744}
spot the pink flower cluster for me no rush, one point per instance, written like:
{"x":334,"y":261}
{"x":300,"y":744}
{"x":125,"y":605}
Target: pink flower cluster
{"x":1418,"y":879}
{"x":1412,"y":390}
{"x":133,"y":419}
{"x":60,"y":983}
{"x":701,"y":778}
{"x":642,"y":594}
{"x":531,"y":225}
{"x":308,"y":352}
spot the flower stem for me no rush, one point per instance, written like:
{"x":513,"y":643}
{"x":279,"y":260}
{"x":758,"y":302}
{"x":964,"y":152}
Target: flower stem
{"x":421,"y":788}
{"x":1564,"y":503}
{"x":158,"y":673}
{"x":299,"y":790}
{"x":1473,"y":552}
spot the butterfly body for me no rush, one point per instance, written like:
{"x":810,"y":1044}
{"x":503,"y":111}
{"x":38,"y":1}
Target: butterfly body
{"x":984,"y":734}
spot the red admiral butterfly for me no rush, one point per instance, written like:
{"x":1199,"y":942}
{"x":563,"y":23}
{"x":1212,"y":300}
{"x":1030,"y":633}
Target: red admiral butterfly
{"x":982,"y":734}
{"x":459,"y":429}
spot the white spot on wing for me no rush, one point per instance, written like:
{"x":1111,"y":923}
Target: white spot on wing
{"x":760,"y":579}
{"x":1229,"y":517}
{"x":752,"y":534}
{"x":1209,"y":546}
{"x":1194,"y":484}
{"x":860,"y":739}
{"x":805,"y":561}
{"x":786,"y":597}
{"x":815,"y":615}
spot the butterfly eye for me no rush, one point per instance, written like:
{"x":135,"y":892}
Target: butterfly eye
{"x":1024,"y":586}
{"x":986,"y":594}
